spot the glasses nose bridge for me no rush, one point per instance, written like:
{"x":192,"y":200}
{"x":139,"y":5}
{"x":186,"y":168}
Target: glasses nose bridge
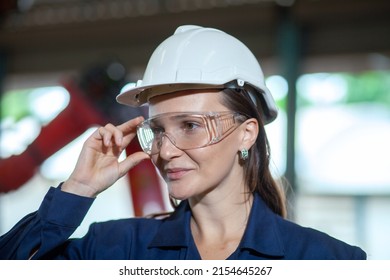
{"x":169,"y":137}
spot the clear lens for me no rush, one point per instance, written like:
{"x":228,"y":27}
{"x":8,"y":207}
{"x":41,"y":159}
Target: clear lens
{"x":186,"y":131}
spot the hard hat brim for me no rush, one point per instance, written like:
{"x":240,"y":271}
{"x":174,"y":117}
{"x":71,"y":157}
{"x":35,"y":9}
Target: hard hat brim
{"x":140,"y":95}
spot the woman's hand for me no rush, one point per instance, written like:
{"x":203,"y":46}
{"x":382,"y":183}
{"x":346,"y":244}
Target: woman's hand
{"x":97,"y":167}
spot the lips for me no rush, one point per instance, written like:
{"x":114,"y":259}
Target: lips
{"x":176,"y":173}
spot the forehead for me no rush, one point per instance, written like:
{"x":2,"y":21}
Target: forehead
{"x":184,"y":101}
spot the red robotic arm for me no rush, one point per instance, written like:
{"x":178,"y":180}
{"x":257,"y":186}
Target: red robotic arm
{"x":78,"y":116}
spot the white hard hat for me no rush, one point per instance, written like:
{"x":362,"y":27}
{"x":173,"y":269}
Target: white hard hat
{"x":195,"y":57}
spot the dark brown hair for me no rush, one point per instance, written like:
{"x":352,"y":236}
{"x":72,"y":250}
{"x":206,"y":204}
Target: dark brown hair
{"x":256,"y":167}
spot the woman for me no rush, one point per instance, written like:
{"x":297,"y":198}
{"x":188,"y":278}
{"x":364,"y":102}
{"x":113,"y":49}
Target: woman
{"x":208,"y":105}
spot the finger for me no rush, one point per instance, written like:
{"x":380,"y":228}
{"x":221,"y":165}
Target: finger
{"x":129,"y":130}
{"x":108,"y":133}
{"x":106,"y":136}
{"x":127,"y":139}
{"x":131,"y":161}
{"x":130,"y":127}
{"x":101,"y":134}
{"x":116,"y":133}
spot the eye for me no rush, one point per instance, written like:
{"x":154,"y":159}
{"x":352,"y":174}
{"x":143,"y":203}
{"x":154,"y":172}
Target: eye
{"x":190,"y":126}
{"x":157,"y":130}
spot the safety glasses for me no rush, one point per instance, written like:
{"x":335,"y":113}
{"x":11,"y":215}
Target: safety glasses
{"x":187,"y":130}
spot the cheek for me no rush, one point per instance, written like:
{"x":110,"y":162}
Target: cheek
{"x":216,"y":160}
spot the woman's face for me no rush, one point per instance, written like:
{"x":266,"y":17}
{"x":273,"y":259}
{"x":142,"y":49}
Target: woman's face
{"x":213,"y":169}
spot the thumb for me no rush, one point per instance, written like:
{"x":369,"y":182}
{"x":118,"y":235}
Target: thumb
{"x":131,"y":161}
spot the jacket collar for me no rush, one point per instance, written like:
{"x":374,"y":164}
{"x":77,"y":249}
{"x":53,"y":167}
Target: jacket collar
{"x":261,"y":235}
{"x":175,"y":230}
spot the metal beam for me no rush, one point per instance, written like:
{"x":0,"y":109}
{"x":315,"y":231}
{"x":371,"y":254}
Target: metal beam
{"x":290,"y":59}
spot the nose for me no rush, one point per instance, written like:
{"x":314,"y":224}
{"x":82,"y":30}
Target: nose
{"x":168,"y":147}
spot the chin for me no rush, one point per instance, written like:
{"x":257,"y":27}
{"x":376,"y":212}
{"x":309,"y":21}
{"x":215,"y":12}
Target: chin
{"x":179,"y":195}
{"x":179,"y":192}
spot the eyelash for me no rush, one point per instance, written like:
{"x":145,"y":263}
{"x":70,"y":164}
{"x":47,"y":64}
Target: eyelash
{"x":190,"y":125}
{"x":186,"y":125}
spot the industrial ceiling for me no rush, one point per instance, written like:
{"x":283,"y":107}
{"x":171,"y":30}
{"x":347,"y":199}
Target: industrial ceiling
{"x":58,"y":35}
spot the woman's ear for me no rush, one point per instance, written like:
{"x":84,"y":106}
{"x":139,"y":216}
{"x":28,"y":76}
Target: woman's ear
{"x":250,"y":132}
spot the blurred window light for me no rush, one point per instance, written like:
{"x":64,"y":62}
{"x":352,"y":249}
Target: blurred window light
{"x":25,"y":5}
{"x":16,"y":136}
{"x":24,"y":112}
{"x":59,"y":166}
{"x":278,"y":86}
{"x":342,"y":148}
{"x":116,"y":71}
{"x":322,"y":88}
{"x":276,"y":131}
{"x":276,"y":134}
{"x":46,"y":103}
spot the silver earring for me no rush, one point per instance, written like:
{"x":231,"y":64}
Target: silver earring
{"x":244,"y":154}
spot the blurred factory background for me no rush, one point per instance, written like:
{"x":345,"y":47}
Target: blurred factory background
{"x":327,"y":63}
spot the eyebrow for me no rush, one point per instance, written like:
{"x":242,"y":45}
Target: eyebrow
{"x":174,"y":118}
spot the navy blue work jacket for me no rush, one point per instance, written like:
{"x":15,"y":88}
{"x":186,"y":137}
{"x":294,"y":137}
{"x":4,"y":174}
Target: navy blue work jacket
{"x":267,"y":236}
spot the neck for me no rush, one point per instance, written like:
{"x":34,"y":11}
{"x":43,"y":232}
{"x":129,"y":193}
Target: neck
{"x":217,"y":227}
{"x":221,"y":214}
